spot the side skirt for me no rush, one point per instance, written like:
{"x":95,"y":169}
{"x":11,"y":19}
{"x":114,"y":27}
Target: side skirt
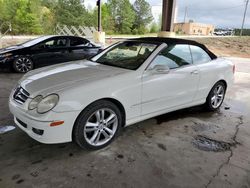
{"x":148,"y":116}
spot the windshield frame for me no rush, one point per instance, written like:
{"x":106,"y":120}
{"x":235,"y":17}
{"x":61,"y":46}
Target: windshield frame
{"x":110,"y":48}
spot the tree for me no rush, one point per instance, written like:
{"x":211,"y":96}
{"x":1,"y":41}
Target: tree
{"x":122,"y":14}
{"x":143,"y":16}
{"x":246,"y":32}
{"x":41,"y":16}
{"x":70,"y":12}
{"x":47,"y":20}
{"x":108,"y":23}
{"x":154,"y":28}
{"x":9,"y":8}
{"x":49,"y":3}
{"x":1,"y":10}
{"x":19,"y":13}
{"x":25,"y":21}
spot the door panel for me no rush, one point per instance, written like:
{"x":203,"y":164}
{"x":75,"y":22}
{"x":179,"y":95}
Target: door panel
{"x":168,"y":90}
{"x":164,"y":91}
{"x":81,"y":48}
{"x":78,"y":53}
{"x":209,"y":71}
{"x":50,"y":52}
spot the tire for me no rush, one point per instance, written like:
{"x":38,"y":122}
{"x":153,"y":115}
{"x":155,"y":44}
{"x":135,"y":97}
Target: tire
{"x":94,"y":131}
{"x":216,"y":96}
{"x":23,"y":64}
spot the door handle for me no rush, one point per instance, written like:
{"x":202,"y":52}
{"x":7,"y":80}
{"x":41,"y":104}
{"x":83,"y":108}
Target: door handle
{"x":195,"y":72}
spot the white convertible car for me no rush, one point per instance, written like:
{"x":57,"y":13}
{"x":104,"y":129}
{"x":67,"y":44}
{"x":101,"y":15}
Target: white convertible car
{"x":89,"y":101}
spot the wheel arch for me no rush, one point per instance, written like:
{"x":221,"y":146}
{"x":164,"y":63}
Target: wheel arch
{"x":207,"y":104}
{"x":114,"y":101}
{"x":121,"y":108}
{"x":221,"y":80}
{"x":224,"y":82}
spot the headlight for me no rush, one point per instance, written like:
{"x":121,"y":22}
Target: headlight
{"x":34,"y":102}
{"x":5,"y":55}
{"x":47,"y":103}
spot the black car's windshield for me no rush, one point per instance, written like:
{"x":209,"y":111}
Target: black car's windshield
{"x":34,"y":41}
{"x":128,"y":55}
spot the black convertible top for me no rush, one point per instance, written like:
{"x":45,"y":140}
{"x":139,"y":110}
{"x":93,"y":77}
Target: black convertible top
{"x":175,"y":41}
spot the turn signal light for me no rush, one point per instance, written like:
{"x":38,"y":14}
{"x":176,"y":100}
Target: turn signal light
{"x":56,"y":123}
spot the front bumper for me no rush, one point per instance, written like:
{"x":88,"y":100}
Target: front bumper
{"x":6,"y":63}
{"x":40,"y":129}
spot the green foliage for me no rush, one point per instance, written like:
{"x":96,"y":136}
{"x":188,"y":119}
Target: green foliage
{"x":108,"y":23}
{"x":122,"y":14}
{"x":143,"y":15}
{"x":154,"y":28}
{"x":47,"y":20}
{"x":41,"y":16}
{"x":245,"y":32}
{"x":1,"y":10}
{"x":19,"y":14}
{"x":70,"y":12}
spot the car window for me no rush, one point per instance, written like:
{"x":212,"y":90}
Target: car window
{"x":34,"y":41}
{"x":129,"y":54}
{"x":54,"y":43}
{"x":60,"y":42}
{"x":199,"y":55}
{"x":173,"y":56}
{"x":78,"y":42}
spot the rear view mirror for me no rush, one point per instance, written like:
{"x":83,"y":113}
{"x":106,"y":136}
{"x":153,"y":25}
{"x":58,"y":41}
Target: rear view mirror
{"x":160,"y":69}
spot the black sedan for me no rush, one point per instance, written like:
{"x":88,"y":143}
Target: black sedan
{"x":46,"y":50}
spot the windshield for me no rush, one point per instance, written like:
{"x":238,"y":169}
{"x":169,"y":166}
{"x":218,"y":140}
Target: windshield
{"x":129,"y":55}
{"x":34,"y":41}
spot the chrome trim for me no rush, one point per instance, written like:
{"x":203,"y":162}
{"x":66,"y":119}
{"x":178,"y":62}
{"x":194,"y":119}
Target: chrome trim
{"x":20,"y":95}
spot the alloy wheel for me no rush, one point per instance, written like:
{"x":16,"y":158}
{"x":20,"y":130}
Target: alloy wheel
{"x":23,"y":64}
{"x":218,"y":96}
{"x":100,"y":127}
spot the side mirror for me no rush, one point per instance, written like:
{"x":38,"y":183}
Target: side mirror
{"x":100,"y":50}
{"x":160,"y":69}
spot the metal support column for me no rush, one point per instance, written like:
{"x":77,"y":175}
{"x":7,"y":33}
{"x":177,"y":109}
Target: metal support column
{"x":168,"y":13}
{"x":99,"y":15}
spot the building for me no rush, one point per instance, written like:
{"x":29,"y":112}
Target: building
{"x":192,"y":28}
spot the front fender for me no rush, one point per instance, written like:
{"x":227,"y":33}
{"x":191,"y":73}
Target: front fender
{"x":126,"y":91}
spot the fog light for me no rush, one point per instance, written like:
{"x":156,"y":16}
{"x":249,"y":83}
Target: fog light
{"x":37,"y":131}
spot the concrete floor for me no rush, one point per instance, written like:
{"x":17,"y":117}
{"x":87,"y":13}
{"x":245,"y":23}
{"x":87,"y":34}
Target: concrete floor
{"x":158,"y":152}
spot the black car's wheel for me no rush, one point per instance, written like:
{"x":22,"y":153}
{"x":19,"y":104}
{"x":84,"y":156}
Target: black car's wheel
{"x":97,"y":125}
{"x":23,"y":64}
{"x":216,"y":96}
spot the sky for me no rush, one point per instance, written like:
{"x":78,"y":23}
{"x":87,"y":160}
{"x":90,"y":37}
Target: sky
{"x":221,"y":13}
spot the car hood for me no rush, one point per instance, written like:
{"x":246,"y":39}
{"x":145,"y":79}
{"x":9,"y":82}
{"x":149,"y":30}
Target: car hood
{"x":58,"y":77}
{"x":10,"y":49}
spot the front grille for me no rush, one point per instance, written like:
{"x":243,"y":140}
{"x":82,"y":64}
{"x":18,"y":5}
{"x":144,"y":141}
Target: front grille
{"x":20,"y":95}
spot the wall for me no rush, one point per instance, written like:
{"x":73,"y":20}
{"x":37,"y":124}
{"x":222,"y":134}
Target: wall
{"x":194,"y":28}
